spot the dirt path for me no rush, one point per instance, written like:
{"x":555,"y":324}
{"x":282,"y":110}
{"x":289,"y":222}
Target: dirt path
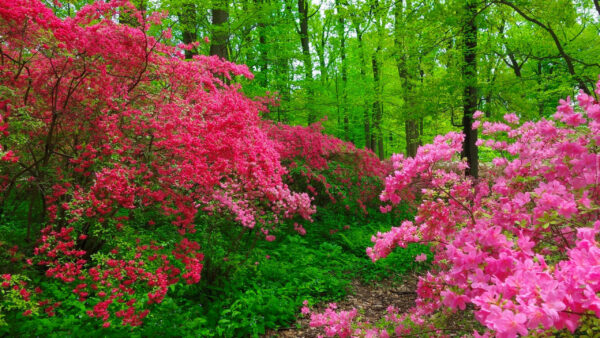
{"x":371,"y":300}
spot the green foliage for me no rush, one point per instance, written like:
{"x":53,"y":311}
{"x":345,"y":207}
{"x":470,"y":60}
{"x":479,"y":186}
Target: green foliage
{"x":244,"y":290}
{"x":590,"y":327}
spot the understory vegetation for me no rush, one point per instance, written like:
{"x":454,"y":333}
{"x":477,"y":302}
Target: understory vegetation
{"x":249,"y":294}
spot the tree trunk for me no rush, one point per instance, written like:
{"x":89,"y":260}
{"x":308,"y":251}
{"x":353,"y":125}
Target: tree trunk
{"x":187,"y":19}
{"x":282,"y":67}
{"x":220,"y":34}
{"x":304,"y":42}
{"x":262,"y":39}
{"x":377,"y":139}
{"x":342,"y":35}
{"x":321,"y":53}
{"x":469,"y":72}
{"x":542,"y":85}
{"x":512,"y":60}
{"x":411,"y":128}
{"x":377,"y":88}
{"x":411,"y":124}
{"x":363,"y":73}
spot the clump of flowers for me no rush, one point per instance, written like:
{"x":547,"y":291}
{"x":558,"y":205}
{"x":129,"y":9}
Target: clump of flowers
{"x":330,"y":170}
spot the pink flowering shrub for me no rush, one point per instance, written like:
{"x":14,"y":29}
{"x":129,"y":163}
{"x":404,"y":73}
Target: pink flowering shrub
{"x":102,"y":122}
{"x":335,"y":323}
{"x":331,"y":171}
{"x":519,"y":247}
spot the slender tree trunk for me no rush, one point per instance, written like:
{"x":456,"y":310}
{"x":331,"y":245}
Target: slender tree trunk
{"x":287,"y":88}
{"x":187,"y":19}
{"x":541,"y":84}
{"x":220,"y":35}
{"x":304,"y":42}
{"x":363,"y":73}
{"x":321,"y":52}
{"x":513,"y":64}
{"x":411,"y":124}
{"x":411,"y":128}
{"x":377,"y":89}
{"x":377,"y":139}
{"x":282,"y":66}
{"x":469,"y":71}
{"x":264,"y":62}
{"x":262,"y":39}
{"x":341,"y":27}
{"x":491,"y":83}
{"x":32,"y":197}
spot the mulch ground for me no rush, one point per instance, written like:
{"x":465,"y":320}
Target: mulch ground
{"x":371,"y":300}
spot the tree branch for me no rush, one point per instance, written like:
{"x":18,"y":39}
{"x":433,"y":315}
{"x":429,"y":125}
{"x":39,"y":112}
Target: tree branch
{"x":557,"y":43}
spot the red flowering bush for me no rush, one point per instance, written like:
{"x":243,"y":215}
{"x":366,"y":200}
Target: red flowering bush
{"x":330,"y":170}
{"x":520,"y":247}
{"x":103,"y":121}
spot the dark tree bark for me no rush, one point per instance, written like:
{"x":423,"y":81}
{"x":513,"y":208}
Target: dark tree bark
{"x":413,"y":140}
{"x":469,"y":72}
{"x":363,"y":73}
{"x":341,"y":28}
{"x":262,"y":39}
{"x":321,"y":48}
{"x":516,"y":67}
{"x":512,"y":61}
{"x":411,"y":124}
{"x":377,"y":139}
{"x":282,"y":66}
{"x":304,"y":42}
{"x":220,"y":34}
{"x":187,"y":19}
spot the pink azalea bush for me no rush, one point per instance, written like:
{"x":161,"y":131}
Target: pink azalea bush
{"x":519,"y":247}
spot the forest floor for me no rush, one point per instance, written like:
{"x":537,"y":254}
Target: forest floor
{"x":371,"y":300}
